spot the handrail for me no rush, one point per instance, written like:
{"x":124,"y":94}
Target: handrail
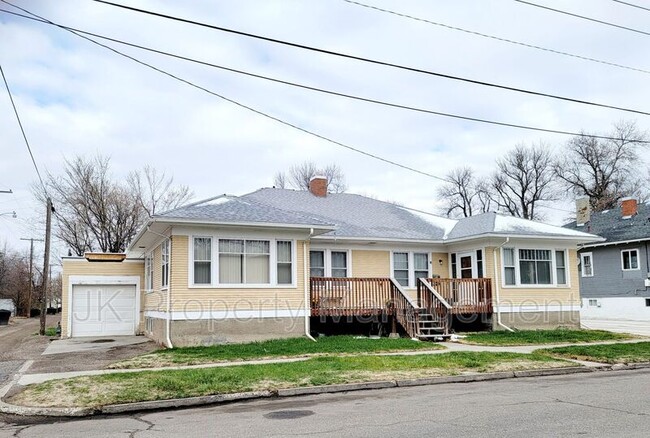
{"x":405,"y":310}
{"x":466,"y":295}
{"x":435,"y":293}
{"x":434,"y":304}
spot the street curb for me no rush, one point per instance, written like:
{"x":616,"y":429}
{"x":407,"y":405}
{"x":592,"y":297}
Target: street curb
{"x":294,"y":392}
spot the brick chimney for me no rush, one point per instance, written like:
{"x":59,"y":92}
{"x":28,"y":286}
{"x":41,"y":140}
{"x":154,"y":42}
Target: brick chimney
{"x":318,"y":186}
{"x":583,"y":211}
{"x":628,"y":207}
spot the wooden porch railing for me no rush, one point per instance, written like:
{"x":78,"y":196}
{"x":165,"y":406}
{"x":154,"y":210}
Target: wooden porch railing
{"x":466,"y":295}
{"x":363,"y":297}
{"x":434,"y":304}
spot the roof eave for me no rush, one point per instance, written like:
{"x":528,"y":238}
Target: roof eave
{"x":320,"y":228}
{"x":615,"y":242}
{"x":576,"y":239}
{"x":380,"y":239}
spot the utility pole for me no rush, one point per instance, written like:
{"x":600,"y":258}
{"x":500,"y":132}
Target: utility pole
{"x":31,"y":272}
{"x":46,"y":262}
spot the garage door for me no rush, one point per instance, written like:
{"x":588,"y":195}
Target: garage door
{"x":103,"y":310}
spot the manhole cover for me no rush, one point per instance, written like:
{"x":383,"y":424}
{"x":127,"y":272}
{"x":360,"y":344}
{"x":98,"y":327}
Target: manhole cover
{"x":288,"y":415}
{"x":102,"y":341}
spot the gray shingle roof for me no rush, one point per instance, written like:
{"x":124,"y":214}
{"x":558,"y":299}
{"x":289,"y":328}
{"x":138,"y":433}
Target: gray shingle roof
{"x":502,"y":224}
{"x":610,"y":225}
{"x":357,"y":216}
{"x":240,"y":210}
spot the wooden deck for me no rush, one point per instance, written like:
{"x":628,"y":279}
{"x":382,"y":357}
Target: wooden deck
{"x":435,"y":301}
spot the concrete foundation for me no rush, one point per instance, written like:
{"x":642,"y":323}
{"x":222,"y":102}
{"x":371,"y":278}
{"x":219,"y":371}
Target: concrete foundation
{"x":539,"y":320}
{"x":212,"y":331}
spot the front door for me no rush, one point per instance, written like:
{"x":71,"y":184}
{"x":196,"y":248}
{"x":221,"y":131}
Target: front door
{"x":466,"y":266}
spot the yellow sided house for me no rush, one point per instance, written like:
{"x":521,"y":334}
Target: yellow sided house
{"x":280,"y":263}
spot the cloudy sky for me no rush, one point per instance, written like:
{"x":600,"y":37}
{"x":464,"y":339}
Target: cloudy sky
{"x":76,"y":98}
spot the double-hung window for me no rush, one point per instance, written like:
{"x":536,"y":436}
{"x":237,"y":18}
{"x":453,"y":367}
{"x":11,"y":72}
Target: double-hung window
{"x":509,"y":271}
{"x":244,"y":261}
{"x":587,"y":264}
{"x":535,"y":266}
{"x":148,"y":272}
{"x":560,"y":267}
{"x":326,"y":263}
{"x":284,"y":258}
{"x":630,"y":259}
{"x":202,"y":260}
{"x":164,"y":263}
{"x":408,"y":267}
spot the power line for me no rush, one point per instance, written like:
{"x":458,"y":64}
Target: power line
{"x":632,"y":5}
{"x":496,"y":38}
{"x":22,"y":130}
{"x":374,"y":61}
{"x":582,"y":17}
{"x":259,"y":112}
{"x":322,"y":90}
{"x":256,"y":111}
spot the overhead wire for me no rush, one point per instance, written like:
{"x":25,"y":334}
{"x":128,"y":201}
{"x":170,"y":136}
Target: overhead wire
{"x":374,"y":61}
{"x":496,"y":38}
{"x":259,"y":112}
{"x":322,"y":90}
{"x":22,"y":129}
{"x":582,"y":17}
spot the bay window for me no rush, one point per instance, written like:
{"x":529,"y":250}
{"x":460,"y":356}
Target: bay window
{"x":244,"y":261}
{"x":534,"y":267}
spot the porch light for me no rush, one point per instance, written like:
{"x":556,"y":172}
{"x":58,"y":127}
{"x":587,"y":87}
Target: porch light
{"x":440,"y":262}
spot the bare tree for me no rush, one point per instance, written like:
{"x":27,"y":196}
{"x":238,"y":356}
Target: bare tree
{"x":605,"y":170}
{"x":463,"y":194}
{"x":300,"y":175}
{"x":523,"y":179}
{"x":156,"y":191}
{"x":94,"y":212}
{"x":280,"y":180}
{"x":14,"y":278}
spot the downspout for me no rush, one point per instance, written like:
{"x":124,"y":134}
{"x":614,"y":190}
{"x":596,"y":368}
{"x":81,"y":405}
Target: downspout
{"x":306,"y":287}
{"x":497,"y":286}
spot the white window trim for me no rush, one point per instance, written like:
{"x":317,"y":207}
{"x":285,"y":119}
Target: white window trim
{"x":552,"y":285}
{"x":166,"y":242}
{"x":411,"y":262}
{"x":273,"y":273}
{"x":582,"y":264}
{"x":212,"y":263}
{"x":148,"y":273}
{"x":327,"y":259}
{"x":638,"y":260}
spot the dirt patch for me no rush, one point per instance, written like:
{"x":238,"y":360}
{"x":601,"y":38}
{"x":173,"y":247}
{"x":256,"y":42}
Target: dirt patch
{"x":89,"y":360}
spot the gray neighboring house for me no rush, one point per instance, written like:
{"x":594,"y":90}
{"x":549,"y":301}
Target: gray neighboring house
{"x":615,"y":274}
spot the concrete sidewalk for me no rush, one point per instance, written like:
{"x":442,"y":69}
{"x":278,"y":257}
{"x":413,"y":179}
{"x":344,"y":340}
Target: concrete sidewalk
{"x":28,"y":379}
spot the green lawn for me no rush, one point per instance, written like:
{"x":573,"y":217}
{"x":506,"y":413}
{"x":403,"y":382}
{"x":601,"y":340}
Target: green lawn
{"x":531,"y":337}
{"x":292,"y":347}
{"x":613,"y":353}
{"x":158,"y":385}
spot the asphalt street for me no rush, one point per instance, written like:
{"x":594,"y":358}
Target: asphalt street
{"x":601,"y":404}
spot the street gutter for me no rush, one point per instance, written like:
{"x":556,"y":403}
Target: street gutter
{"x":8,"y":408}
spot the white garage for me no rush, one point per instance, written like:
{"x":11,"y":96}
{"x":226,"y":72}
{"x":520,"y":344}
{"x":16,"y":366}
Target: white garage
{"x":109,"y":308}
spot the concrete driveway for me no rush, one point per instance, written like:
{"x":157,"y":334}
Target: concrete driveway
{"x":19,"y":342}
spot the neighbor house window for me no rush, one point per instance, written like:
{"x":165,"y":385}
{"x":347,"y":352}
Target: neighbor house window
{"x":587,"y":264}
{"x":560,"y":267}
{"x":509,"y":277}
{"x":630,"y":259}
{"x":535,"y":266}
{"x":401,"y":268}
{"x":284,"y":262}
{"x":148,"y":272}
{"x":339,"y":264}
{"x":164,"y":259}
{"x":420,"y":265}
{"x":317,"y":263}
{"x":244,"y":261}
{"x":202,"y":260}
